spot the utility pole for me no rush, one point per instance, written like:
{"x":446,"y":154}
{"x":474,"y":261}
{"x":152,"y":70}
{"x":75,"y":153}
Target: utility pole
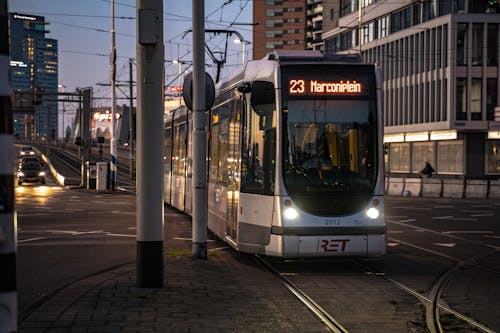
{"x":8,"y":242}
{"x":113,"y":157}
{"x":130,"y":122}
{"x":150,"y":92}
{"x":199,"y":134}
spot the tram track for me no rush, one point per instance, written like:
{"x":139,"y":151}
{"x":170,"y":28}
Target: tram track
{"x":433,"y":302}
{"x":330,"y":322}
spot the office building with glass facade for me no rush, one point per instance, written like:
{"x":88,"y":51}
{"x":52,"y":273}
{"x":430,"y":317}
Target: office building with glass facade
{"x":440,"y":70}
{"x":34,"y":67}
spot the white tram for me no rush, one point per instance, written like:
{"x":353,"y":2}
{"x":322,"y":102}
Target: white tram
{"x":295,"y":158}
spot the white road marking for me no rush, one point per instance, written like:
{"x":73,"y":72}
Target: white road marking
{"x":452,"y":218}
{"x":30,"y":239}
{"x":468,"y":232}
{"x":120,"y":235}
{"x":494,"y":237}
{"x":445,"y":244}
{"x":478,"y":215}
{"x":32,"y":214}
{"x":392,"y":244}
{"x":476,"y":211}
{"x":407,"y":220}
{"x":132,"y":228}
{"x":395,"y":232}
{"x":411,"y":207}
{"x":74,"y":233}
{"x":190,"y":239}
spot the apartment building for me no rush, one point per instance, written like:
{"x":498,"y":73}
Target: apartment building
{"x":440,"y":68}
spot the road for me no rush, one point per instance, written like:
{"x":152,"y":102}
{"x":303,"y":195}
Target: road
{"x":441,"y":251}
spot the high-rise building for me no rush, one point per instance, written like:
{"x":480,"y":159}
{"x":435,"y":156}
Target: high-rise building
{"x":314,"y":25}
{"x":34,"y":68}
{"x":288,"y":25}
{"x":440,"y":70}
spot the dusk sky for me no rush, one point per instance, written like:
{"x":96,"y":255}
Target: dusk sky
{"x":82,"y":29}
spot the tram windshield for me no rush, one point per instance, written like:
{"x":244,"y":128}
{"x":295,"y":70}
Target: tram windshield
{"x":330,"y":149}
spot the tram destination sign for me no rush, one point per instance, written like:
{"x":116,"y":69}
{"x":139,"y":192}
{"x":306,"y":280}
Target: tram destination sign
{"x":320,"y":87}
{"x":330,"y":81}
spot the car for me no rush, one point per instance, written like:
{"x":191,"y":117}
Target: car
{"x":30,"y":171}
{"x":28,"y":159}
{"x":27,"y":151}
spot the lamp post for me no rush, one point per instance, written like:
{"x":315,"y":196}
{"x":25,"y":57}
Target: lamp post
{"x":112,"y":151}
{"x":61,"y":88}
{"x":179,"y":63}
{"x":244,"y":44}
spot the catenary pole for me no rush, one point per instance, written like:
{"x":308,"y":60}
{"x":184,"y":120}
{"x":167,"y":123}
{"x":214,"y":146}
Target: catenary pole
{"x":131,"y":122}
{"x":199,"y":134}
{"x":113,"y":157}
{"x":149,"y":174}
{"x":8,"y":243}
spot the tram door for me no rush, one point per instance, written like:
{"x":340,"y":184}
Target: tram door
{"x":234,"y":157}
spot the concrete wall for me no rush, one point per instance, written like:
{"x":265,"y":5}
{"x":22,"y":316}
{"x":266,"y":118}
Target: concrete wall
{"x":494,"y":189}
{"x":476,"y":188}
{"x":449,"y":188}
{"x":413,"y":187}
{"x":432,"y":187}
{"x":395,"y":186}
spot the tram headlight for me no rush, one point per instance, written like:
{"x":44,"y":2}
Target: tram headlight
{"x":41,"y":173}
{"x":372,"y":213}
{"x":290,"y":213}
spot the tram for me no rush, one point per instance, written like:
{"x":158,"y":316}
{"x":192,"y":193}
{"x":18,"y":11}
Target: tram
{"x":295,"y":158}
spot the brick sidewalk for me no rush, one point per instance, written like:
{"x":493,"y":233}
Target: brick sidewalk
{"x":226,"y":293}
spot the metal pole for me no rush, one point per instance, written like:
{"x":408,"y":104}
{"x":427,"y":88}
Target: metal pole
{"x":113,"y":157}
{"x":130,"y":122}
{"x":8,"y":242}
{"x":243,"y":58}
{"x":199,"y":134}
{"x":150,"y":92}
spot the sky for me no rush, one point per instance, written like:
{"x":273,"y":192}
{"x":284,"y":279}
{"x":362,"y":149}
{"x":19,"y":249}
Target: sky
{"x":82,"y":29}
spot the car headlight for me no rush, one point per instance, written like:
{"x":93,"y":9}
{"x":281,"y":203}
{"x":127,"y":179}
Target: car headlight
{"x":32,"y":153}
{"x":23,"y":153}
{"x":41,"y":173}
{"x":372,"y":213}
{"x":20,"y":174}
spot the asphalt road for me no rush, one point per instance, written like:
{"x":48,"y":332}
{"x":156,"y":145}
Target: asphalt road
{"x":443,"y":248}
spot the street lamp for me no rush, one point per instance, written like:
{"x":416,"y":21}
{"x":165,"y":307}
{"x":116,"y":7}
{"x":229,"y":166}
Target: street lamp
{"x":179,"y":63}
{"x":61,"y":88}
{"x":244,"y":44}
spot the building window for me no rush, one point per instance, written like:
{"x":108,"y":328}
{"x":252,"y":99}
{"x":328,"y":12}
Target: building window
{"x":492,"y":44}
{"x":422,"y":152}
{"x":475,"y":99}
{"x":461,"y":99}
{"x":477,"y":44}
{"x":348,"y":6}
{"x":493,"y":157}
{"x":450,"y":157}
{"x":383,"y":26}
{"x":491,"y":98}
{"x":462,"y":43}
{"x":399,"y":157}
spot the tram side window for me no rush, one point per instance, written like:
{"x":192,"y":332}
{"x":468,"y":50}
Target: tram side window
{"x":259,"y":141}
{"x":168,"y":149}
{"x":219,"y":144}
{"x":214,"y":146}
{"x":179,"y":154}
